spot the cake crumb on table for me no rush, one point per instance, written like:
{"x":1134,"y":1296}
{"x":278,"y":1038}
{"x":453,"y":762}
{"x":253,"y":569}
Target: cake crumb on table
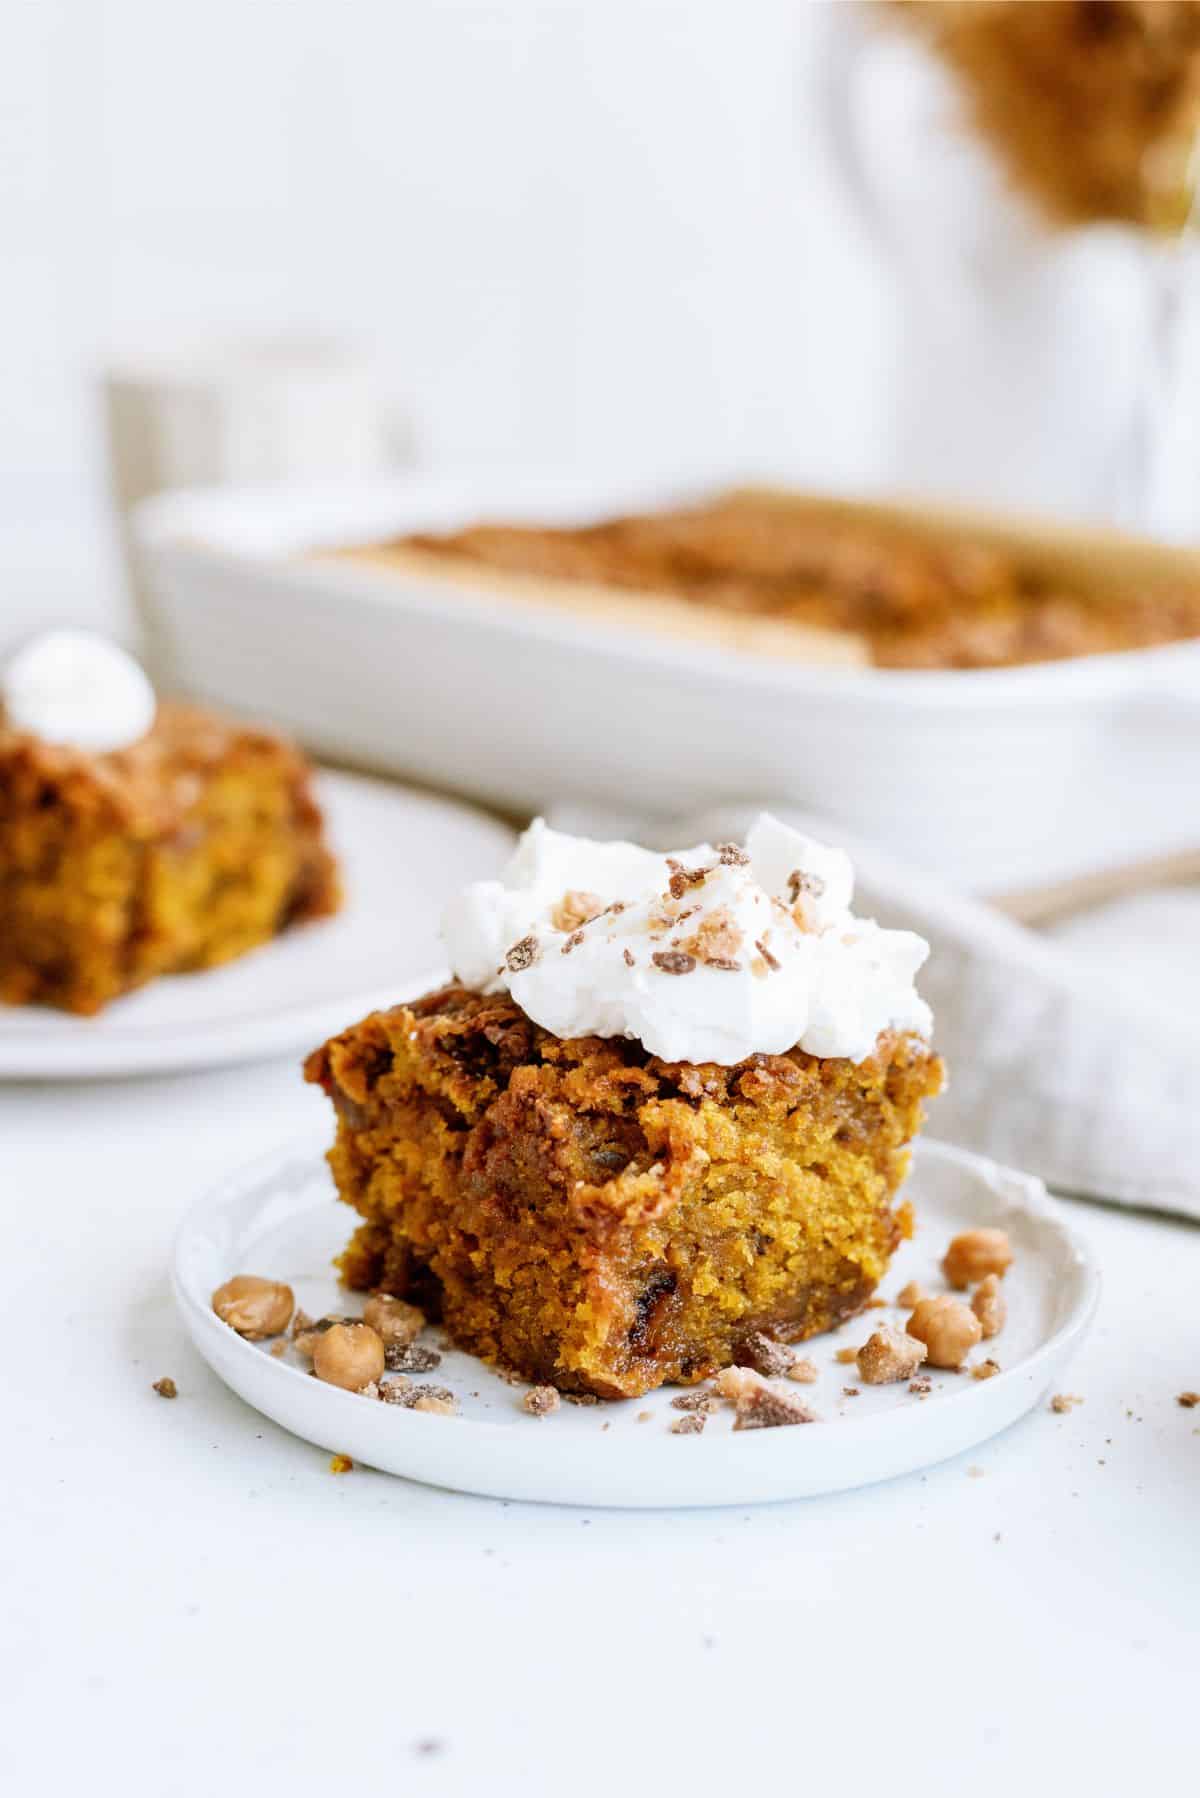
{"x":644,"y":1416}
{"x":1065,"y":1401}
{"x":539,"y":1401}
{"x":804,"y":1371}
{"x":846,"y":1355}
{"x":985,"y":1370}
{"x":922,"y":1386}
{"x":166,"y":1388}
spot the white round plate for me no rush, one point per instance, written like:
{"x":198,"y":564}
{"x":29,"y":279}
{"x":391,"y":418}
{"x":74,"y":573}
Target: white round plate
{"x":280,"y":1219}
{"x":403,"y":854}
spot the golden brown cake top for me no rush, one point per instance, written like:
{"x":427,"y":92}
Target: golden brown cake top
{"x":917,"y":598}
{"x":470,"y":1045}
{"x":152,"y":784}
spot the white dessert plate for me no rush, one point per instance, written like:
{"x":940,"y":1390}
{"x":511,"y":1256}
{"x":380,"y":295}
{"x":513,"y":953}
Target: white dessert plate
{"x":279,"y":1218}
{"x":403,"y":854}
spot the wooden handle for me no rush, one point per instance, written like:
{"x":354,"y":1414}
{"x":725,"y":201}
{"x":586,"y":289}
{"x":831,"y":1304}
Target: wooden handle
{"x":1064,"y":898}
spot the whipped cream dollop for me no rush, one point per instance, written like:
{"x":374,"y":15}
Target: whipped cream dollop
{"x":80,"y":690}
{"x":710,"y":954}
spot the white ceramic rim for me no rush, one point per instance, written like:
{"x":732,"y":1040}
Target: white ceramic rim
{"x":179,"y":521}
{"x":766,"y":1458}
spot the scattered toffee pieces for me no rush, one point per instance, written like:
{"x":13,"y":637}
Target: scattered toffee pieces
{"x":922,"y":1386}
{"x":392,"y":1391}
{"x":765,"y":1355}
{"x":410,"y":1357}
{"x":802,"y":885}
{"x":572,"y":942}
{"x":539,"y":1401}
{"x":1189,"y":1400}
{"x":757,"y":1405}
{"x":691,"y":1424}
{"x":683,"y":878}
{"x":673,"y":961}
{"x":166,"y":1388}
{"x":437,"y":1399}
{"x":985,"y":1370}
{"x":576,"y":908}
{"x":629,"y":961}
{"x":889,"y":1355}
{"x":730,"y":856}
{"x":341,"y":1464}
{"x":1065,"y":1401}
{"x":804,"y":1371}
{"x":846,"y":1355}
{"x":852,"y":1391}
{"x":696,"y":1400}
{"x":910,"y":1296}
{"x":581,"y":1398}
{"x":644,"y":1416}
{"x":772,"y":961}
{"x":522,"y":955}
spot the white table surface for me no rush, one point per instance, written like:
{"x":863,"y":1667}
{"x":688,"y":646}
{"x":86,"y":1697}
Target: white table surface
{"x":194,"y":1602}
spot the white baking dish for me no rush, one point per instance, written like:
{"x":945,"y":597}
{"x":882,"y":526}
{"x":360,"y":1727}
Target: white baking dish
{"x":999,"y":778}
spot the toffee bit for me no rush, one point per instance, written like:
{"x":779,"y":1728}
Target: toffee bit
{"x":392,"y":1391}
{"x":985,"y":1370}
{"x":692,"y":1424}
{"x":576,"y":908}
{"x":166,"y":1387}
{"x":436,"y":1399}
{"x":921,"y":1385}
{"x":804,"y":1371}
{"x":696,"y":1400}
{"x":673,"y":961}
{"x":341,"y":1464}
{"x":730,"y":856}
{"x":410,"y":1357}
{"x":851,"y":1391}
{"x":772,"y":961}
{"x":629,"y":960}
{"x":764,"y":1354}
{"x":802,"y":885}
{"x":683,"y":878}
{"x":572,"y":942}
{"x":1063,"y":1402}
{"x":522,"y":955}
{"x":539,"y":1401}
{"x":1189,"y":1400}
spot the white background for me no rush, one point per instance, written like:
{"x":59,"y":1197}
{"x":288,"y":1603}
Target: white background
{"x":564,"y":228}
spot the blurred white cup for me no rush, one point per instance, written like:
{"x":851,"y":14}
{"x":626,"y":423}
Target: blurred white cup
{"x":239,"y":412}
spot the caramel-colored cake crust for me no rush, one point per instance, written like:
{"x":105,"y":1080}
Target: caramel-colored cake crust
{"x":201,"y":841}
{"x":916,"y":599}
{"x":604,"y":1221}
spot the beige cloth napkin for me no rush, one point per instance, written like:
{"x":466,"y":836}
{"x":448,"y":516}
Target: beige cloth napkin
{"x":1075,"y":1055}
